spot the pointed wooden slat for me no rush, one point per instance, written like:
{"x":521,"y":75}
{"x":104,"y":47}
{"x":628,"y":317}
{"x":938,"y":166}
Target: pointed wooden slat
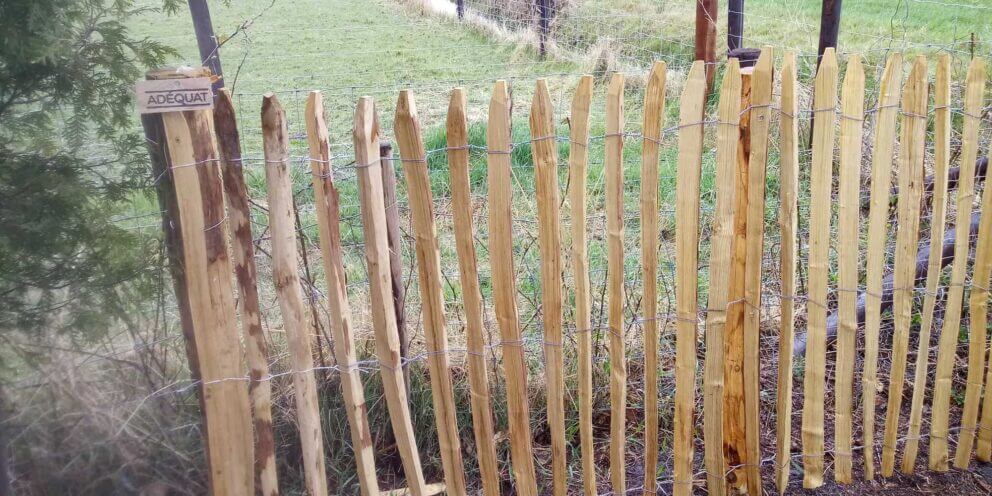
{"x":614,"y":282}
{"x":654,"y":114}
{"x":478,"y":374}
{"x":578,"y":164}
{"x":328,"y":207}
{"x":788,"y":222}
{"x":414,"y":159}
{"x":299,"y":329}
{"x":848,"y":226}
{"x":942,"y":148}
{"x":226,"y":408}
{"x":544,"y":150}
{"x":821,"y":177}
{"x":387,"y":346}
{"x":691,"y":108}
{"x":911,"y":154}
{"x":881,"y":183}
{"x":760,"y":112}
{"x":505,"y":289}
{"x":978,"y":301}
{"x":976,"y":334}
{"x":246,"y":275}
{"x":716,"y":314}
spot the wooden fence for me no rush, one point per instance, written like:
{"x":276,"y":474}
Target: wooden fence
{"x":205,"y":170}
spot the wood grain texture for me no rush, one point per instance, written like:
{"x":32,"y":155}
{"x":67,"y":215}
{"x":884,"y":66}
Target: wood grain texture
{"x":410,"y":139}
{"x":578,"y":170}
{"x":788,"y":219}
{"x":692,"y":105}
{"x":461,"y":204}
{"x":544,"y":151}
{"x":821,"y":177}
{"x":848,"y":228}
{"x":392,"y":206}
{"x":942,"y":148}
{"x":328,"y":208}
{"x":977,"y":335}
{"x":762,"y":84}
{"x":911,"y":155}
{"x":246,"y":276}
{"x":614,"y":282}
{"x":978,"y":301}
{"x":654,"y":114}
{"x":878,"y":215}
{"x":299,"y":329}
{"x":505,"y":289}
{"x":368,"y":166}
{"x":720,"y":262}
{"x":733,"y":333}
{"x":226,"y":408}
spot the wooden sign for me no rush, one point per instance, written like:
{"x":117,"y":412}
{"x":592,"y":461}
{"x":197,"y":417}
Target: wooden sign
{"x":173,"y":95}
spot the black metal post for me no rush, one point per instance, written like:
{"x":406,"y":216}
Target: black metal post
{"x":735,"y":24}
{"x":206,"y":40}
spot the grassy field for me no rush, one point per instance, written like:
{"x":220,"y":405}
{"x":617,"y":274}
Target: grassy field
{"x":348,"y":48}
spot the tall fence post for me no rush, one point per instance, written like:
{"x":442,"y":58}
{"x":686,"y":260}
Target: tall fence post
{"x":206,"y":40}
{"x":192,"y":162}
{"x":706,"y":38}
{"x":543,"y":25}
{"x":829,"y":27}
{"x":391,"y":202}
{"x":735,"y":24}
{"x":460,"y":8}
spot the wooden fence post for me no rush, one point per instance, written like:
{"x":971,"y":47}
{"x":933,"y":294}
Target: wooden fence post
{"x":979,"y":303}
{"x":192,"y":161}
{"x":733,"y":334}
{"x":414,"y":157}
{"x":759,"y":122}
{"x":881,"y":182}
{"x":976,"y":335}
{"x":578,"y":165}
{"x":543,"y":25}
{"x":691,"y":108}
{"x":654,"y":116}
{"x":544,"y":149}
{"x":287,"y":282}
{"x":327,"y":203}
{"x":461,"y":203}
{"x":505,"y":289}
{"x":821,"y":178}
{"x":391,"y":203}
{"x":848,"y":229}
{"x":243,"y":248}
{"x":705,"y":41}
{"x":720,"y":262}
{"x":368,"y":165}
{"x":788,"y":223}
{"x":914,"y":110}
{"x":614,"y":282}
{"x":942,"y":149}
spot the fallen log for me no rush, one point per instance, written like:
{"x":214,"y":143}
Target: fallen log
{"x":953,"y":176}
{"x":922,"y":261}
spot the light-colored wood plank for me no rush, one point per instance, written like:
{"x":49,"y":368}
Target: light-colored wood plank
{"x":227,"y":413}
{"x":614,"y":282}
{"x":762,"y":83}
{"x":578,"y":170}
{"x":788,"y":219}
{"x":505,"y":289}
{"x":911,"y":154}
{"x":821,"y":177}
{"x":733,"y":334}
{"x":387,"y":346}
{"x":942,"y":148}
{"x":328,"y":207}
{"x":720,"y":262}
{"x":654,"y":114}
{"x":414,"y":159}
{"x":848,"y":227}
{"x":976,"y":334}
{"x":544,"y":151}
{"x":461,"y":204}
{"x":878,"y":217}
{"x":299,"y":329}
{"x":692,"y":106}
{"x":246,"y":275}
{"x":978,"y":301}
